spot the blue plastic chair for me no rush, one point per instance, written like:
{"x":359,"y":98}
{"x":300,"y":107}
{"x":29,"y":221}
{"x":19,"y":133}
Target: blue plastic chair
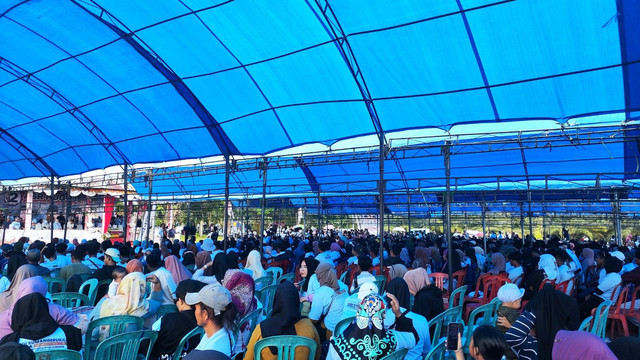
{"x":117,"y":324}
{"x":70,"y":299}
{"x":437,"y":352}
{"x":396,"y":355}
{"x":180,"y":349}
{"x":600,"y":316}
{"x":287,"y":346}
{"x":125,"y":346}
{"x":91,"y":286}
{"x":266,"y":298}
{"x":62,"y":354}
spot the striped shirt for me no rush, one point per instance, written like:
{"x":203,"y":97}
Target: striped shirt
{"x":523,"y":345}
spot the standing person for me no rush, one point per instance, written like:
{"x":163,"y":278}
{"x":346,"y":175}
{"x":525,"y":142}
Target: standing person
{"x":172,"y":327}
{"x":216,"y":314}
{"x":285,"y":319}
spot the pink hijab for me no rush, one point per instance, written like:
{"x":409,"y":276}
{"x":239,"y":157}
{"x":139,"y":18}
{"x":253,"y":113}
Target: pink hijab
{"x":134,"y":265}
{"x":32,"y":285}
{"x":416,"y":280}
{"x":177,"y":270}
{"x":570,"y":345}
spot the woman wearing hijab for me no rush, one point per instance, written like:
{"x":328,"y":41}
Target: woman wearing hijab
{"x":285,"y":319}
{"x":9,"y":297}
{"x":134,"y":265}
{"x":201,"y":258}
{"x":253,"y":266}
{"x":188,"y":258}
{"x":242,"y":289}
{"x":550,"y":311}
{"x":328,"y":301}
{"x":473,"y":269}
{"x":456,"y":262}
{"x":404,"y":255}
{"x":177,"y":270}
{"x":16,"y":260}
{"x":37,"y":285}
{"x":397,"y":271}
{"x":32,"y":325}
{"x":436,"y":259}
{"x":570,"y":345}
{"x":499,"y":264}
{"x":427,"y":296}
{"x":130,"y":298}
{"x":399,"y":288}
{"x":298,"y":253}
{"x":367,"y":338}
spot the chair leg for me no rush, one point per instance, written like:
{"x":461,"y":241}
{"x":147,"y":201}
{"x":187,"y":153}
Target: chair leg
{"x":625,"y":326}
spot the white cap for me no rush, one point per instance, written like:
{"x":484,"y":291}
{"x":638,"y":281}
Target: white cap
{"x":214,"y":296}
{"x":510,"y":292}
{"x":113,"y":253}
{"x":618,"y":254}
{"x":367,"y":289}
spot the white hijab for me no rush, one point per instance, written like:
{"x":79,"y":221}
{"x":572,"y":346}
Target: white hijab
{"x":254,"y":264}
{"x":167,"y":284}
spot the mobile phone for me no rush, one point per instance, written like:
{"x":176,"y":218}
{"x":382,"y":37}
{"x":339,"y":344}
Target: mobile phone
{"x":453,"y":329}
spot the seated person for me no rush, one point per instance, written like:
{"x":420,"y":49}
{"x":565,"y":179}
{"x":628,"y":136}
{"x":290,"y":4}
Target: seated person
{"x":487,"y":343}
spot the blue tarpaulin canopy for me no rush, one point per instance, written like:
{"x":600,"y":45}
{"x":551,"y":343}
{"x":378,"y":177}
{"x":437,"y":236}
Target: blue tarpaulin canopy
{"x":88,"y":84}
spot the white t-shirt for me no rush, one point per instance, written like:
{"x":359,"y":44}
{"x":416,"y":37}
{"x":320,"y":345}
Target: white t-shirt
{"x":322,"y":304}
{"x":421,"y":325}
{"x":4,"y":284}
{"x":325,"y":257}
{"x":514,"y":273}
{"x":57,"y":340}
{"x":628,"y":267}
{"x":608,"y":284}
{"x":219,"y":341}
{"x":601,"y":276}
{"x":93,"y":263}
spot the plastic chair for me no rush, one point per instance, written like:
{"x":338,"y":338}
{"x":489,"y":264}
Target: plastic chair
{"x":490,"y":287}
{"x":343,"y":277}
{"x":180,"y":349}
{"x":568,"y":286}
{"x":266,"y":298}
{"x":459,"y":276}
{"x":54,"y":285}
{"x":437,"y":352}
{"x":125,"y":346}
{"x":586,"y":324}
{"x":250,"y":319}
{"x":165,"y":309}
{"x":117,"y":324}
{"x":631,"y":311}
{"x":276,"y":271}
{"x":340,"y":268}
{"x":343,"y":325}
{"x":286,"y":277}
{"x":92,"y":290}
{"x":70,"y":299}
{"x":191,"y":268}
{"x":264,"y":281}
{"x":545,"y":282}
{"x":438,"y":321}
{"x":486,"y":314}
{"x":617,"y":315}
{"x":439,"y":280}
{"x":457,"y":296}
{"x":600,"y":315}
{"x":396,"y":355}
{"x":62,"y":354}
{"x":286,"y":345}
{"x":380,"y":282}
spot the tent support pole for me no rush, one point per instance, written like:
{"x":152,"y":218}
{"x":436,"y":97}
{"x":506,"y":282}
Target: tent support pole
{"x":304,"y":215}
{"x":381,"y":189}
{"x":409,"y":213}
{"x":530,"y":217}
{"x":522,"y":221}
{"x":484,"y":226}
{"x":319,"y":213}
{"x":52,"y":220}
{"x":227,"y":169}
{"x":149,"y":208}
{"x":618,"y":223}
{"x":67,"y":210}
{"x":125,"y":224}
{"x":446,"y":150}
{"x":263,"y":203}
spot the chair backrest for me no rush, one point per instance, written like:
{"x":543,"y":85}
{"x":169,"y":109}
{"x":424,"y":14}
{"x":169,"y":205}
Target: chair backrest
{"x":286,"y":277}
{"x":459,"y":276}
{"x":586,"y":324}
{"x":276,"y":273}
{"x":618,"y":309}
{"x":192,"y":267}
{"x":479,"y":284}
{"x":567,"y":286}
{"x":396,"y":355}
{"x":380,"y":282}
{"x":600,"y":319}
{"x":353,"y":270}
{"x":491,"y":286}
{"x":251,"y":319}
{"x":435,"y":326}
{"x":340,"y":268}
{"x":343,"y":325}
{"x":457,"y":295}
{"x":264,"y":281}
{"x":62,"y":354}
{"x":165,"y":309}
{"x":125,"y":346}
{"x":91,"y":291}
{"x":266,"y":298}
{"x":343,"y":277}
{"x":117,"y":324}
{"x":286,"y":345}
{"x":54,"y":285}
{"x":439,"y":279}
{"x":69,"y":299}
{"x":437,"y":352}
{"x":545,"y":282}
{"x":180,"y":349}
{"x":453,"y":314}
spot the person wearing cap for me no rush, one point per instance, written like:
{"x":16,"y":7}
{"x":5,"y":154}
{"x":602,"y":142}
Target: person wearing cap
{"x":111,"y":260}
{"x":216,"y":314}
{"x":172,"y":327}
{"x":511,"y":297}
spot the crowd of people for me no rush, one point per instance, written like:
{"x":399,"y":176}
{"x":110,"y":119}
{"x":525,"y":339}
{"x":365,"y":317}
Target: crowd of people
{"x":214,"y":285}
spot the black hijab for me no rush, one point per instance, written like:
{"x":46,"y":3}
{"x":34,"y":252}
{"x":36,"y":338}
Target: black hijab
{"x":399,"y":288}
{"x":188,"y":258}
{"x":312,"y":265}
{"x":286,"y":312}
{"x":15,"y":351}
{"x":17,"y":259}
{"x":31,"y":320}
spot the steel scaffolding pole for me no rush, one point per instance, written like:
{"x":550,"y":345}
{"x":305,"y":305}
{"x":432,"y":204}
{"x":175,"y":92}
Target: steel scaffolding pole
{"x":618,"y":224}
{"x":319,"y":212}
{"x":381,"y":190}
{"x":51,"y":204}
{"x":446,"y":151}
{"x":226,"y":203}
{"x":263,"y":203}
{"x":530,"y":217}
{"x":67,"y":210}
{"x":522,"y":222}
{"x":409,"y":213}
{"x":484,"y":226}
{"x":149,"y":208}
{"x":125,"y":225}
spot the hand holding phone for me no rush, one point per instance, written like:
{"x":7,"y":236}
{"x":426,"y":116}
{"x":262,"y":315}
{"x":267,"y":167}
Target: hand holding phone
{"x":453,"y":336}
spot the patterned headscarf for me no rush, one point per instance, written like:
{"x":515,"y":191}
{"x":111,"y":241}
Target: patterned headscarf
{"x":366,"y":339}
{"x":242,"y":289}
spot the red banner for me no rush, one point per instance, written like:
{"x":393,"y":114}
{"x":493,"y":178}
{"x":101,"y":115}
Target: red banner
{"x":109,"y":203}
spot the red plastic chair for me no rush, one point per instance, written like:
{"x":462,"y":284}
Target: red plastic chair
{"x":375,"y":270}
{"x":340,"y":268}
{"x":354,"y":270}
{"x":298,"y":276}
{"x":490,"y":285}
{"x":632,"y":312}
{"x":459,"y":276}
{"x":439,"y":279}
{"x":545,"y":282}
{"x":564,"y":286}
{"x":617,"y":314}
